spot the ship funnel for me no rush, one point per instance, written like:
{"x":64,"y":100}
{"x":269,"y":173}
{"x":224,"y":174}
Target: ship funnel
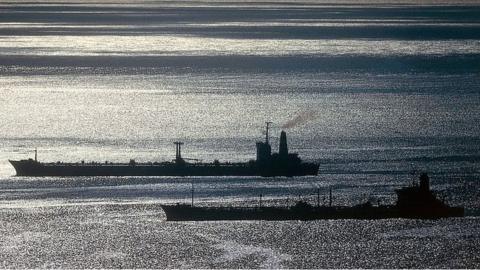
{"x":178,"y":151}
{"x":283,"y":149}
{"x":424,"y":182}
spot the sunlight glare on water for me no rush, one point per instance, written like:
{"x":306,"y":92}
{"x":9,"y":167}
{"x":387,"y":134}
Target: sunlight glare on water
{"x":372,"y":91}
{"x":197,"y":46}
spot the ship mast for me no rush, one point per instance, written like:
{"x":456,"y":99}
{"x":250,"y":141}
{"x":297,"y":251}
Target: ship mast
{"x":192,"y":192}
{"x":330,"y":198}
{"x":318,"y":197}
{"x":266,"y":133}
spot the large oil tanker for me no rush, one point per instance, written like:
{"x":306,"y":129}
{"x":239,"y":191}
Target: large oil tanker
{"x":267,"y":163}
{"x":416,"y":202}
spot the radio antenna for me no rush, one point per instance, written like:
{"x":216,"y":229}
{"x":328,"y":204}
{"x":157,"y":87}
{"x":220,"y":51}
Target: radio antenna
{"x":266,"y":134}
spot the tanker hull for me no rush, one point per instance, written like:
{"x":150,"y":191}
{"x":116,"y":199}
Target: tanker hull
{"x":182,"y":212}
{"x":34,"y":168}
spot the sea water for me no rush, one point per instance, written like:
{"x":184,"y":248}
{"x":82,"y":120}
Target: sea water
{"x":374,"y":92}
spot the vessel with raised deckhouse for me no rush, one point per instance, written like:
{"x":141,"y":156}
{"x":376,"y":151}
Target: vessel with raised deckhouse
{"x":416,"y":202}
{"x":266,"y":164}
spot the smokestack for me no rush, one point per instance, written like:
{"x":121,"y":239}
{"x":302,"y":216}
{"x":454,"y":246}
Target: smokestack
{"x":283,"y":149}
{"x":424,"y":182}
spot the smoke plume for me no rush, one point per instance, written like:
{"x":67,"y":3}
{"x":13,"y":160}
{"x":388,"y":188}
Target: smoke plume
{"x":301,"y":118}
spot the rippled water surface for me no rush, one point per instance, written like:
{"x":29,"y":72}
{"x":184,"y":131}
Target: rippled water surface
{"x":379,"y":90}
{"x":123,"y":235}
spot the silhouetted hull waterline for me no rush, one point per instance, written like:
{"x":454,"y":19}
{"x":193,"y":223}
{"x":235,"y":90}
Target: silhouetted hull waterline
{"x":183,"y":212}
{"x":34,"y":168}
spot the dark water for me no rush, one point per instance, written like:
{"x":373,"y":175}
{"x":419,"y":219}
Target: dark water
{"x":384,"y":90}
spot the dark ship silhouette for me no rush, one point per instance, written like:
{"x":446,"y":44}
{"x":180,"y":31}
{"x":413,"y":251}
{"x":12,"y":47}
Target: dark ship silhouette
{"x":416,"y":202}
{"x":266,"y":164}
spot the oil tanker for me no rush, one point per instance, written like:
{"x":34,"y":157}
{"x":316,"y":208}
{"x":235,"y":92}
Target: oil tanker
{"x":414,"y":202}
{"x":266,"y":164}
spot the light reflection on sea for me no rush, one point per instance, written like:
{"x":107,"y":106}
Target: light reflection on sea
{"x":126,"y":236}
{"x":387,"y":90}
{"x":154,"y":45}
